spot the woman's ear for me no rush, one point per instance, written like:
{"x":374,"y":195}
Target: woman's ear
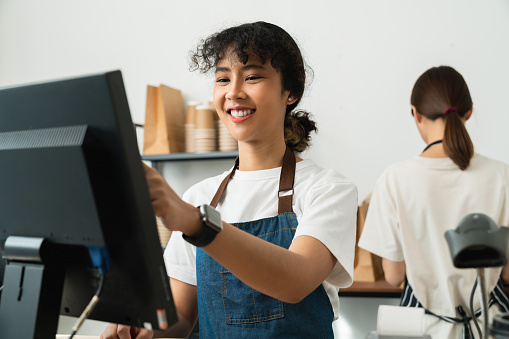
{"x":469,"y":113}
{"x":291,"y":99}
{"x":417,"y":116}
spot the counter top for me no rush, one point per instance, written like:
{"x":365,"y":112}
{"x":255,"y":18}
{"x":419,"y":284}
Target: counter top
{"x":376,"y":289}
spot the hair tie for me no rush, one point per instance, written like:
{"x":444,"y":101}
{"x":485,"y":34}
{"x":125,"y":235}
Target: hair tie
{"x":450,"y":109}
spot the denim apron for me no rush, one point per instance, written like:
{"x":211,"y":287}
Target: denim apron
{"x":228,"y":308}
{"x":497,"y":296}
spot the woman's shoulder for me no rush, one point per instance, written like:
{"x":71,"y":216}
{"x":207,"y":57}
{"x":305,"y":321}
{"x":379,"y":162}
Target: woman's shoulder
{"x":307,"y":172}
{"x":489,"y":166}
{"x":319,"y":189}
{"x":482,"y":160}
{"x":403,"y":172}
{"x":401,"y":168}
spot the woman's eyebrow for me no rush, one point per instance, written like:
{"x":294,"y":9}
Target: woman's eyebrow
{"x":222,"y":69}
{"x":244,"y":68}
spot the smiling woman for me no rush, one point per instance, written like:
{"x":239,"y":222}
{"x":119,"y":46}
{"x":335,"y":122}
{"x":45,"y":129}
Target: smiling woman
{"x":273,"y":239}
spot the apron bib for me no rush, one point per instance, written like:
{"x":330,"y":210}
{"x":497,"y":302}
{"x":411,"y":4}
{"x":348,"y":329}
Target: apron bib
{"x":228,"y":308}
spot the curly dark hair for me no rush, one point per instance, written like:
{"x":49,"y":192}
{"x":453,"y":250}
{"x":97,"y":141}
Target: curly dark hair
{"x":271,"y":44}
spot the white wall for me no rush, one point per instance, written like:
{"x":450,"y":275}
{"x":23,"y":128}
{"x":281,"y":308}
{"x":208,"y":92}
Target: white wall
{"x":366,"y":55}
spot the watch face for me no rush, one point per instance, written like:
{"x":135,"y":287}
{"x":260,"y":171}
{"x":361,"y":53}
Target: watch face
{"x":212,"y":217}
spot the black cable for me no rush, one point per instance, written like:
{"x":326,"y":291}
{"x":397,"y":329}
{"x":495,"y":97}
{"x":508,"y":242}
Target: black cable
{"x":472,"y":313}
{"x":90,"y":307}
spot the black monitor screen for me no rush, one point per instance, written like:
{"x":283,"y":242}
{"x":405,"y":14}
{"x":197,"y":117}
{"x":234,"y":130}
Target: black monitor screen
{"x":71,"y":174}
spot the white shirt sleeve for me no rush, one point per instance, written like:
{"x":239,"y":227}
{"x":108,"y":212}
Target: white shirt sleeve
{"x":330,"y":216}
{"x":180,"y":257}
{"x":381,"y":233}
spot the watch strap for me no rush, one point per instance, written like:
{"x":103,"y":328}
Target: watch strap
{"x":203,"y":239}
{"x":212,"y":225}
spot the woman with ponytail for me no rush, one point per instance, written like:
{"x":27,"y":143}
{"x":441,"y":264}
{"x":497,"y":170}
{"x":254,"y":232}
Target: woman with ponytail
{"x":416,"y":201}
{"x":274,"y":237}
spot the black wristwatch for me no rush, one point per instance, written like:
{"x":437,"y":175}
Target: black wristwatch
{"x":212,"y":225}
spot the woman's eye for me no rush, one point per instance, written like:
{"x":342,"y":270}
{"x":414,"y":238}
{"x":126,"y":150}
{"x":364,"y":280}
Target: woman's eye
{"x":222,"y":80}
{"x":251,"y":78}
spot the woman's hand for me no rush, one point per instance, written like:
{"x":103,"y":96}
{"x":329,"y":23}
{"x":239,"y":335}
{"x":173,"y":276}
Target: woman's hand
{"x":175,"y":213}
{"x":114,"y":331}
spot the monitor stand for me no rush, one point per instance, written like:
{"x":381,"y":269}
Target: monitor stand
{"x":33,"y":284}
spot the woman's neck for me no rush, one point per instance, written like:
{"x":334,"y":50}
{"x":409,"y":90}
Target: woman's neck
{"x":257,"y":156}
{"x":434,"y":131}
{"x":435,"y":151}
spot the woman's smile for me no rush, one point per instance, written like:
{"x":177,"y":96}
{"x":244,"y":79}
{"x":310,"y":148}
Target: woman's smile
{"x":239,"y":113}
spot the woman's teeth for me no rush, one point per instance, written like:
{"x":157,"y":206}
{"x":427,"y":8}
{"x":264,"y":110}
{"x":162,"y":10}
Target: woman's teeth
{"x":240,"y":114}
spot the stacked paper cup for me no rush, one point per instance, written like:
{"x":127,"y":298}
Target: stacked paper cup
{"x":225,"y":140}
{"x":189,"y":126}
{"x":204,"y":129}
{"x":164,"y":233}
{"x":216,"y":118}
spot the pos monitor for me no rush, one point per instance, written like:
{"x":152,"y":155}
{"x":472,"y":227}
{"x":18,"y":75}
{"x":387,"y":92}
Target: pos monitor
{"x":75,"y":210}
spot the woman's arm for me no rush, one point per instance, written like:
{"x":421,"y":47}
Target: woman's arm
{"x":288,"y":275}
{"x":395,"y":271}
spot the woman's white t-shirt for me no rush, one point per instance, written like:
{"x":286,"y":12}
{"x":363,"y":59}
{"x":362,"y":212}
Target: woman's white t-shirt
{"x":325,"y":204}
{"x":413,"y":204}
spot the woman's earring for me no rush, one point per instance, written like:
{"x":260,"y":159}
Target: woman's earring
{"x":289,"y":99}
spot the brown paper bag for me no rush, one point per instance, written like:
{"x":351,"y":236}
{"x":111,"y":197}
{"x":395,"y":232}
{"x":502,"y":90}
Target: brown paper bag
{"x":164,"y":121}
{"x":367,"y":266}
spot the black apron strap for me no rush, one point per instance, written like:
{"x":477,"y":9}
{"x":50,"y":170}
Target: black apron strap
{"x":286,"y":181}
{"x":497,"y":296}
{"x":408,"y":299}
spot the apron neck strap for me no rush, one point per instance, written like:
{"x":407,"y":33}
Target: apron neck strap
{"x":222,"y":187}
{"x":286,"y":180}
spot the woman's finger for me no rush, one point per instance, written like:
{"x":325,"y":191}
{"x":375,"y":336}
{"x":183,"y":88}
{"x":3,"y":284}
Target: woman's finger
{"x":110,"y":332}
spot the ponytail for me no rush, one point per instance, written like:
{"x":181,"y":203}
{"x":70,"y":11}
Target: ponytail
{"x":457,"y":143}
{"x":298,"y":128}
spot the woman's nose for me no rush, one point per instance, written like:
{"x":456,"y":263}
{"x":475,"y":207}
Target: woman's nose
{"x":236,"y":90}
